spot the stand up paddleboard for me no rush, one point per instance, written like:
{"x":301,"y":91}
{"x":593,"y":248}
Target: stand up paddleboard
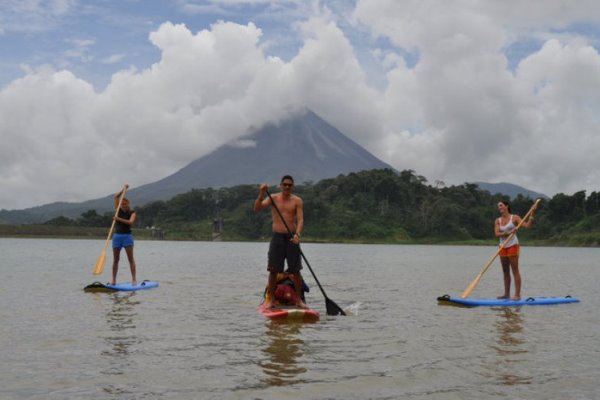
{"x":124,"y":287}
{"x":289,"y":313}
{"x":529,"y":301}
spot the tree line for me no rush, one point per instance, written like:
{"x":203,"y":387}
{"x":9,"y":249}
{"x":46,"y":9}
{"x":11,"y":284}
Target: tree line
{"x":369,"y":206}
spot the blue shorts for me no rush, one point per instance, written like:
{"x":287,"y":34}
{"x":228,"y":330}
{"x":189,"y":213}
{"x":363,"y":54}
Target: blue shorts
{"x":121,"y":240}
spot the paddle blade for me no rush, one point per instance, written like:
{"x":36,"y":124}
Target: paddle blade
{"x":99,"y":267}
{"x":332,"y":308}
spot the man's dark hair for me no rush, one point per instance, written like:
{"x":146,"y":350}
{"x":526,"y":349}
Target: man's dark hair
{"x":287,"y":177}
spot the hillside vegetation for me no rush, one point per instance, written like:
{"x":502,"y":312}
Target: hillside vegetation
{"x":376,"y":206}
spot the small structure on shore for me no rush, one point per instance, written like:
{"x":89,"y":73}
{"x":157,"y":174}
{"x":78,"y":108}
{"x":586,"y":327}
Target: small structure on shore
{"x":217,"y":229}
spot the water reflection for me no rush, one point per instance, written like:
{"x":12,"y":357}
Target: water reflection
{"x":120,"y":318}
{"x":510,"y":345}
{"x":283,"y":350}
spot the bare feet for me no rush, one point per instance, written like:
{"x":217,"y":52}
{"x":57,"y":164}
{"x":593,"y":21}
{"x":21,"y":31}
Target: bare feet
{"x":515,"y":298}
{"x":133,"y":283}
{"x":503,"y":297}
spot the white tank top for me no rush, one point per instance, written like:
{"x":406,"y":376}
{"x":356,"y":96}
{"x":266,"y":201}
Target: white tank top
{"x":508,"y":228}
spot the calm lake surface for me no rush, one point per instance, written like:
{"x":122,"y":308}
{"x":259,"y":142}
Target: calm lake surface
{"x":199,"y":336}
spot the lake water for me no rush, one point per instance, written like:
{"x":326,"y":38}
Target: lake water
{"x":199,"y":336}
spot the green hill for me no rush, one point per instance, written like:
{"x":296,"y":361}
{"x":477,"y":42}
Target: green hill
{"x":376,"y":206}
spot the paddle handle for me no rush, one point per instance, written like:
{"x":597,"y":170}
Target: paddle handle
{"x":473,"y":284}
{"x":99,"y":267}
{"x":112,"y":226}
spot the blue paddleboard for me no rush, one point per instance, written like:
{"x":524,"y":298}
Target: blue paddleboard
{"x":124,"y":287}
{"x":528,"y":301}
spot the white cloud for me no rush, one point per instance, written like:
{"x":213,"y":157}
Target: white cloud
{"x":144,"y":126}
{"x":560,"y":84}
{"x":79,"y":50}
{"x":114,"y":58}
{"x":33,"y":15}
{"x":469,"y":117}
{"x":48,"y":145}
{"x":456,"y":113}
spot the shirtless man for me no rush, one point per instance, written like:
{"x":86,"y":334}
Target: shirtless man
{"x":284,"y":246}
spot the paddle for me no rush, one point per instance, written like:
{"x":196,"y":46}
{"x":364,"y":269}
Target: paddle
{"x":471,"y":287}
{"x":99,"y":267}
{"x":332,"y":308}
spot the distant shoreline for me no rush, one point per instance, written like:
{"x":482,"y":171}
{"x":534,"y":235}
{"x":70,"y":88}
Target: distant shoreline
{"x":97,"y":233}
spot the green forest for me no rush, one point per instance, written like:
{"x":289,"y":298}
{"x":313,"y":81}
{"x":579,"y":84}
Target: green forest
{"x":377,"y":206}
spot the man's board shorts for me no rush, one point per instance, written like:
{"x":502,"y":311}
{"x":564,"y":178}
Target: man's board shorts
{"x":121,"y":240}
{"x":282,"y":248}
{"x":510,"y":251}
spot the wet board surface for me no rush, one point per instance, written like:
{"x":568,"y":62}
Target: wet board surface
{"x":124,"y":287}
{"x":289,"y":313}
{"x":525,"y":301}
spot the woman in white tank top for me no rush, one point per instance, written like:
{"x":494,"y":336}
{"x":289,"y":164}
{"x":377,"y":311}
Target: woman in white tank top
{"x":509,"y":254}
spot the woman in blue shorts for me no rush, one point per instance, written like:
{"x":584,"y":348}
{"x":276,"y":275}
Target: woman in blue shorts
{"x":123,"y":238}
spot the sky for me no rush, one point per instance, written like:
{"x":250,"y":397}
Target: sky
{"x":96,"y":94}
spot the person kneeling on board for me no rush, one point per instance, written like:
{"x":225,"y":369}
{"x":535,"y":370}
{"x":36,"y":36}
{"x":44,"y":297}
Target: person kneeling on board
{"x":285,"y":291}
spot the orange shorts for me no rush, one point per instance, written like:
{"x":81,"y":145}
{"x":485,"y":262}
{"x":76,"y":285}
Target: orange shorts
{"x":509,"y":251}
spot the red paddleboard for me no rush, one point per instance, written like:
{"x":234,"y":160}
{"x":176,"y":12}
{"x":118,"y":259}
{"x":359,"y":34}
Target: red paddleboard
{"x":289,"y":313}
